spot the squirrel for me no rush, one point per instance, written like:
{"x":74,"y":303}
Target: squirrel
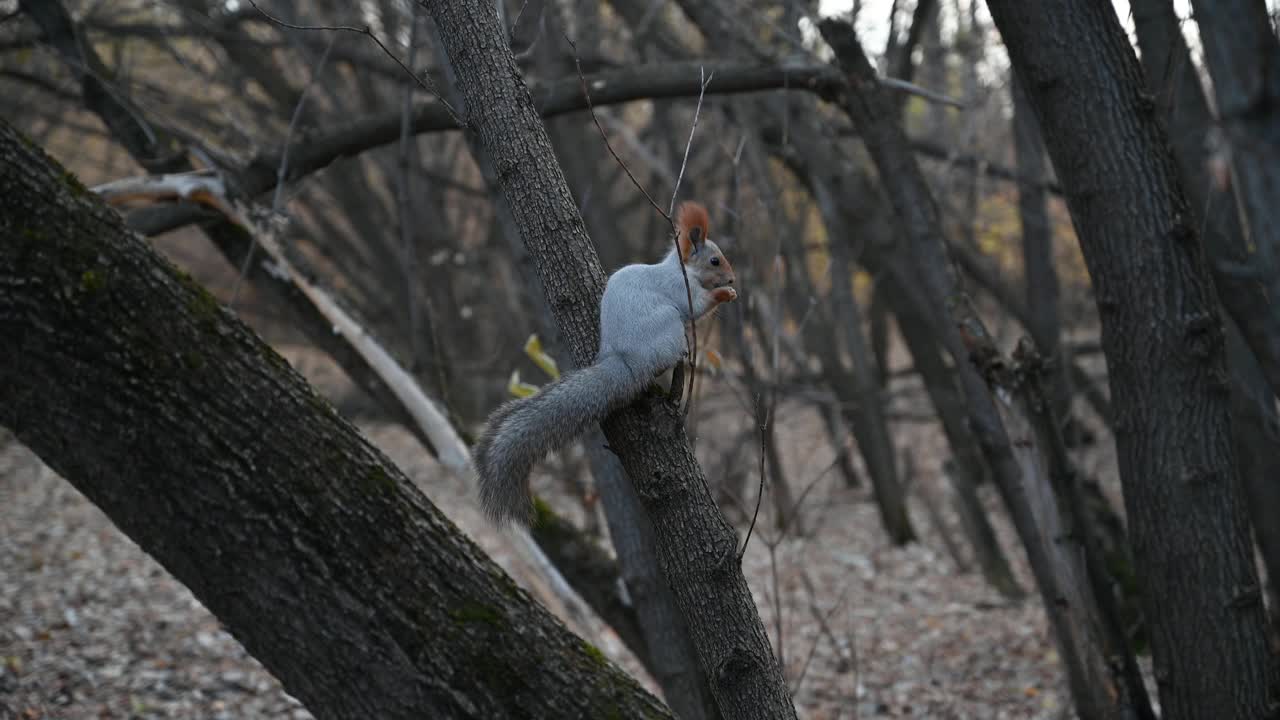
{"x":643,"y":315}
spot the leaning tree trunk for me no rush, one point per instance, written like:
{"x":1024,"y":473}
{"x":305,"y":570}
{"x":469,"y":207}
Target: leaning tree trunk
{"x":1072,"y":612}
{"x":203,"y":446}
{"x":1041,"y":279}
{"x":1164,"y":346}
{"x":697,"y":548}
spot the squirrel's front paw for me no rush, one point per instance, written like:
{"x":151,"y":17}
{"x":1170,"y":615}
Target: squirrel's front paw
{"x":724,"y":294}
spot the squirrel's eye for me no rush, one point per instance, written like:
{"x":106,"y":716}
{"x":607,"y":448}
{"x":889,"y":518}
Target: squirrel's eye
{"x":715,"y":261}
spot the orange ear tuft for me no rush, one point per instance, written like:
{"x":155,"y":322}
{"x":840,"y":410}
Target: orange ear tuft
{"x":693,"y":223}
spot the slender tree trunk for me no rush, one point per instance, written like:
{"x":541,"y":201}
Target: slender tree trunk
{"x":697,"y":548}
{"x":879,"y":332}
{"x":1071,"y":611}
{"x":814,"y":164}
{"x":968,"y":469}
{"x":862,"y":403}
{"x":925,"y":33}
{"x":1257,"y":435}
{"x":1164,"y":348}
{"x":672,"y":658}
{"x":1079,"y":522}
{"x":204,"y":447}
{"x":1041,"y":279}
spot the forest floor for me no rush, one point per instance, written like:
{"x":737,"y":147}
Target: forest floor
{"x":92,"y":627}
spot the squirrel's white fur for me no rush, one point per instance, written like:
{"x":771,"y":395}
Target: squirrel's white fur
{"x":643,"y":316}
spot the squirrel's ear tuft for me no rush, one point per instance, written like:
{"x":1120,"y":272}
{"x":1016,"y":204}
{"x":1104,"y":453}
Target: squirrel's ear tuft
{"x":692,"y":222}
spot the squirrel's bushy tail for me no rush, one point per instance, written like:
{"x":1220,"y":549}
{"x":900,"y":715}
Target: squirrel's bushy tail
{"x":521,"y":432}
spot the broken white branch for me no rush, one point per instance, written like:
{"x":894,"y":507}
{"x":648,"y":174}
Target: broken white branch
{"x":202,"y":186}
{"x":913,"y":89}
{"x":208,"y":189}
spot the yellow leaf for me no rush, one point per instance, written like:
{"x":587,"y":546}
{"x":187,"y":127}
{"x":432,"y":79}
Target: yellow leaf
{"x":533,"y":348}
{"x":520,"y":389}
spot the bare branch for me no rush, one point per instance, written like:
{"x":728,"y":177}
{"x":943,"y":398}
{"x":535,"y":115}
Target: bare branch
{"x":911,"y":88}
{"x":428,"y":84}
{"x":586,"y":94}
{"x":283,"y":170}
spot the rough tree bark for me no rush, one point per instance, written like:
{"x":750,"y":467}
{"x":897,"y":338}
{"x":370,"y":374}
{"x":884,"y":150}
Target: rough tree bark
{"x":673,"y":662}
{"x":697,"y":548}
{"x":1164,"y":346}
{"x":202,"y":445}
{"x":1172,"y":77}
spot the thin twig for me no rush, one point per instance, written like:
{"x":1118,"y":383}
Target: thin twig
{"x":591,"y":109}
{"x":511,"y":34}
{"x":824,"y":624}
{"x":408,"y":154}
{"x":429,"y":85}
{"x":675,"y":232}
{"x":760,"y":493}
{"x":692,"y":337}
{"x":911,"y":88}
{"x":702,"y":91}
{"x":282,"y":171}
{"x":777,"y":601}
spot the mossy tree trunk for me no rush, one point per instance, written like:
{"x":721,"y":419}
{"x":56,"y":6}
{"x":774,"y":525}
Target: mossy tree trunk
{"x":211,"y":453}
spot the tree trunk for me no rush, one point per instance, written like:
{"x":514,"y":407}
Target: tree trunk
{"x":203,"y":446}
{"x":697,"y":548}
{"x":1164,"y":348}
{"x":672,"y":658}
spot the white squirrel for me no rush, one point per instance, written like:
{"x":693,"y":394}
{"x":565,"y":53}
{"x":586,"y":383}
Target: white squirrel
{"x":643,"y":316}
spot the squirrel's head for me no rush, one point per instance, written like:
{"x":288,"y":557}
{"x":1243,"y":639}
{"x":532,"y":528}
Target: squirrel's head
{"x":701,"y":256}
